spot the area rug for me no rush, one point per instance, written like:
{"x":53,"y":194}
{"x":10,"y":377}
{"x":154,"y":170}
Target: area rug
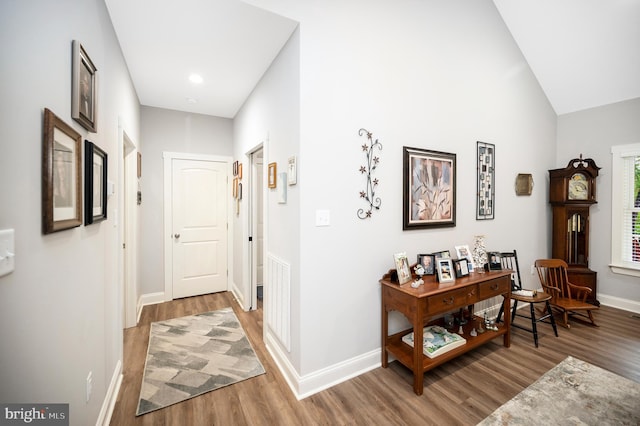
{"x":192,"y":355}
{"x":574,"y":392}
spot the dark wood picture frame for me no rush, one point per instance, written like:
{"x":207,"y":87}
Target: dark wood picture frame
{"x":95,"y":183}
{"x":84,"y":96}
{"x":429,"y":189}
{"x":428,"y":262}
{"x":461,"y":267}
{"x":61,"y":175}
{"x":494,"y":261}
{"x":486,"y":176}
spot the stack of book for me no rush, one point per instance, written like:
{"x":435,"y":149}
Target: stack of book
{"x":436,"y":340}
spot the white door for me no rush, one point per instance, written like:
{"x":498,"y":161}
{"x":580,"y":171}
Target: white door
{"x":199,"y":226}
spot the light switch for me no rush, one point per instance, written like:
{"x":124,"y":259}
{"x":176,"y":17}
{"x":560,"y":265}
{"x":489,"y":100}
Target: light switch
{"x":323,"y":217}
{"x":7,"y":251}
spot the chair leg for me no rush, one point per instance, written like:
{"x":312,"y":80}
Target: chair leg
{"x":591,"y":318}
{"x":565,"y":316}
{"x":513,"y":311}
{"x":499,"y":317}
{"x":534,"y":328}
{"x":552,"y":319}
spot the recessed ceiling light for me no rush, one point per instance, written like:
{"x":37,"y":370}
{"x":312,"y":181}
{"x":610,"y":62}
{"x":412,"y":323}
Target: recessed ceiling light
{"x":195,"y":78}
{"x":192,"y":100}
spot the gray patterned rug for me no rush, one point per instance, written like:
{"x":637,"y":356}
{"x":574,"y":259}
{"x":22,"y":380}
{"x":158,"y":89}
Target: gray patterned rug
{"x":574,"y":392}
{"x":193,"y":355}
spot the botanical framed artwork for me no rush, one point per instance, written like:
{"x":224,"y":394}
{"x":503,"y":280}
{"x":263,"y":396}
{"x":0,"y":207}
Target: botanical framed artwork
{"x":485,"y":199}
{"x":464,"y":252}
{"x":271,"y":176}
{"x":444,"y":267}
{"x":84,"y":89}
{"x":402,"y":267}
{"x":429,"y":189}
{"x":461,"y":267}
{"x":428,"y":262}
{"x":61,"y":175}
{"x":95,"y":183}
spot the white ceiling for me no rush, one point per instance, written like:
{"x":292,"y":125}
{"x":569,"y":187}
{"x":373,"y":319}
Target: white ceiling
{"x":584,"y":53}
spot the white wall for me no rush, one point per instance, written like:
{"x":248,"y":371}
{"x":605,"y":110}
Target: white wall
{"x":61,"y":310}
{"x":164,"y":130}
{"x":430,"y":74}
{"x":592,"y":133}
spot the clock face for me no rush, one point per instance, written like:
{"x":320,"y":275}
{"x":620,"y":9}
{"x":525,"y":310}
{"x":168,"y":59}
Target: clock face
{"x":578,"y":187}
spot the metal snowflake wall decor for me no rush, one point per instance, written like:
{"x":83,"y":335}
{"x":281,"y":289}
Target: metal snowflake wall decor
{"x":369,"y":194}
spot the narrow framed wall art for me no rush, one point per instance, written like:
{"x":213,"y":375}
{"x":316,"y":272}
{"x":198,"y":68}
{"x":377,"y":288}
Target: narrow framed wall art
{"x":486,"y":172}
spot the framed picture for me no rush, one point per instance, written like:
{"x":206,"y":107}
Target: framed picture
{"x":235,"y":168}
{"x":291,"y":171}
{"x":61,"y":175}
{"x":445,"y":270}
{"x":84,"y":89}
{"x":524,"y":184}
{"x":486,"y":171}
{"x":235,"y":187}
{"x":272,"y":175}
{"x":239,"y":170}
{"x":402,"y":267}
{"x":444,"y":254}
{"x":463,"y":252}
{"x":495,"y":261}
{"x":95,"y":183}
{"x":429,"y":189}
{"x":428,"y":262}
{"x":282,"y":188}
{"x":461,"y":267}
{"x":139,"y":165}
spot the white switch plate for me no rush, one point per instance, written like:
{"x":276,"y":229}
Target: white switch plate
{"x":7,"y":251}
{"x":323,"y":217}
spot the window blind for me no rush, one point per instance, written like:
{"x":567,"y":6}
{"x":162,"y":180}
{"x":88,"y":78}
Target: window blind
{"x":631,"y":210}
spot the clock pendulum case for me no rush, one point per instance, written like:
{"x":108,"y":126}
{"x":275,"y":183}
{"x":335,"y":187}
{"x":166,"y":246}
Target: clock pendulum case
{"x":572,"y":191}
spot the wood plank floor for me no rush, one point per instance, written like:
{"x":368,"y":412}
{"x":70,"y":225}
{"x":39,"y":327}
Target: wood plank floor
{"x":461,"y":392}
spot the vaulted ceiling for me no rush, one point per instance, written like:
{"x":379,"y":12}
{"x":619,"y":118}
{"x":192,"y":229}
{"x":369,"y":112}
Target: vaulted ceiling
{"x":584,"y":53}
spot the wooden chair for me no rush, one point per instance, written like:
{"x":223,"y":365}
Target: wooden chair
{"x":509,"y":260}
{"x":568,"y":298}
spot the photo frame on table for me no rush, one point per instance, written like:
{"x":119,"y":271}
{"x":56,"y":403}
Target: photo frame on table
{"x":443,"y":254}
{"x":444,"y":266}
{"x":461,"y":267}
{"x":271,"y":175}
{"x":429,"y":189}
{"x":485,"y":191}
{"x":95,"y":183}
{"x":428,"y":262}
{"x":402,"y":267}
{"x":463,"y":251}
{"x":494,"y":261}
{"x":84,"y":89}
{"x":61,"y":175}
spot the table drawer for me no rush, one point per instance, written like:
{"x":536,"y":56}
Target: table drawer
{"x":452,"y":299}
{"x":494,"y":287}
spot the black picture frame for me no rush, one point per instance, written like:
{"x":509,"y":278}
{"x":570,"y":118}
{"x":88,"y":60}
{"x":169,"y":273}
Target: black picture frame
{"x":461,"y":267}
{"x":95,"y":183}
{"x":442,"y":254}
{"x":428,"y":262}
{"x":84,"y":92}
{"x":61,"y":175}
{"x":486,"y":176}
{"x":429,"y":189}
{"x":494,"y":261}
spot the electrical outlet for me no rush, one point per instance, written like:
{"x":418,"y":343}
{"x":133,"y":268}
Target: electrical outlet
{"x":89,"y":385}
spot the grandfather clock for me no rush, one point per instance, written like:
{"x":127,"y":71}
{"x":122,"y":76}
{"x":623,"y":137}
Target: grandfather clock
{"x":572,"y":191}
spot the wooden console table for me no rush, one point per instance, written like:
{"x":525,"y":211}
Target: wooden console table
{"x":431,"y":300}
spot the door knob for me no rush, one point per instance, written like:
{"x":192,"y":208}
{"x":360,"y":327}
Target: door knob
{"x":176,"y":236}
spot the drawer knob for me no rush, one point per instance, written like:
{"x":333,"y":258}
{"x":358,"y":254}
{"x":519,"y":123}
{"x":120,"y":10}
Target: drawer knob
{"x":494,"y":286}
{"x":448,"y":301}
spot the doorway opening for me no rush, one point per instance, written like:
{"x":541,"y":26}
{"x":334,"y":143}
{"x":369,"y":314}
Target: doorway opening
{"x":256,"y":227}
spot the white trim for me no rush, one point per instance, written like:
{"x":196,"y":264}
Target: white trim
{"x":619,"y":303}
{"x":168,"y":157}
{"x":109,"y":402}
{"x":625,"y":270}
{"x":149,"y":299}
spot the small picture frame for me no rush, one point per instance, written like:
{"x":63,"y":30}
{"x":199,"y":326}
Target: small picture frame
{"x":443,"y":254}
{"x":291,"y":171}
{"x":494,"y":261}
{"x":235,"y":187}
{"x":402,"y":267}
{"x":235,"y":168}
{"x":271,"y":176}
{"x":239,"y":170}
{"x":428,"y":262}
{"x":524,"y":184}
{"x":61,"y":175}
{"x":282,"y":188}
{"x":84,"y":89}
{"x":444,"y":266}
{"x":462,"y":267}
{"x":463,"y":252}
{"x":95,"y":183}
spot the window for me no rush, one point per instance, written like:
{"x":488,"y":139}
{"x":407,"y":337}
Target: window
{"x":625,"y":210}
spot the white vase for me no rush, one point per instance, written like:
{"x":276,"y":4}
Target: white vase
{"x":479,"y":253}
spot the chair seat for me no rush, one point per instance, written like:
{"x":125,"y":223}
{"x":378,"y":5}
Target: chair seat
{"x":540,"y":296}
{"x":571,"y":304}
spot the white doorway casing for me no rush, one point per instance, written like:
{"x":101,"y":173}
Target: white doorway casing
{"x":256,"y":225}
{"x":170,"y":238}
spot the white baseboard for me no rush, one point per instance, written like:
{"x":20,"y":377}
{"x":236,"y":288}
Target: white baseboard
{"x":617,"y":302}
{"x":149,"y":299}
{"x":104,"y":418}
{"x":309,"y":384}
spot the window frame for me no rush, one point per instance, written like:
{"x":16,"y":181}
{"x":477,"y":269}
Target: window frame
{"x":618,"y":198}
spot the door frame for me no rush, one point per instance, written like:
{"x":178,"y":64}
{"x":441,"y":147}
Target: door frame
{"x":168,"y":158}
{"x":251,"y":248}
